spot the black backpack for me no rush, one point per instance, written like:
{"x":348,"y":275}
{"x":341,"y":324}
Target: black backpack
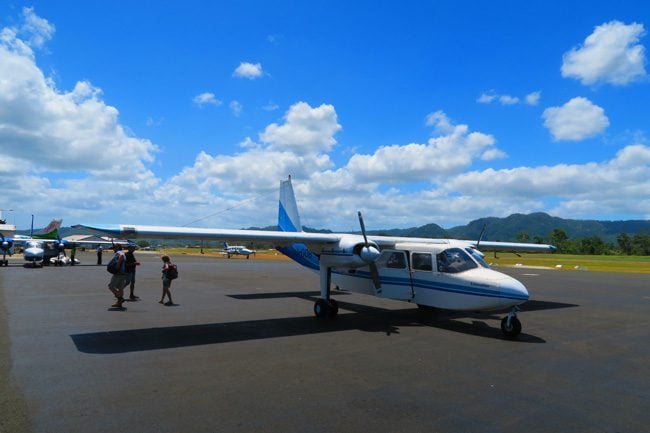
{"x":112,"y":266}
{"x":172,"y":272}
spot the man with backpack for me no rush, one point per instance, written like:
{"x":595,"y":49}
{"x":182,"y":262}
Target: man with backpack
{"x":119,"y":278}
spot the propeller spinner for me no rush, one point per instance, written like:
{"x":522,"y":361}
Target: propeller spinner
{"x":369,"y":254}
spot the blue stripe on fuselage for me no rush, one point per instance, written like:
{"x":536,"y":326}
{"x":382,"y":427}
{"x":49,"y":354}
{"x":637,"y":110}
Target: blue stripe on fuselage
{"x":439,"y":286}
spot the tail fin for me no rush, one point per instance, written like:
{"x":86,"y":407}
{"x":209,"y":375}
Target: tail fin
{"x":51,"y":231}
{"x":288,"y":218}
{"x":289,"y":221}
{"x":225,"y":245}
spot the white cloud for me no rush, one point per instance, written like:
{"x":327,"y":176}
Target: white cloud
{"x":611,"y":54}
{"x":533,"y":98}
{"x":616,"y":186}
{"x":248,"y":70}
{"x":74,"y":134}
{"x":206,"y":98}
{"x":236,"y":108}
{"x":576,"y":120}
{"x":35,"y":29}
{"x":440,"y":156}
{"x":306,"y":130}
{"x":504,"y":99}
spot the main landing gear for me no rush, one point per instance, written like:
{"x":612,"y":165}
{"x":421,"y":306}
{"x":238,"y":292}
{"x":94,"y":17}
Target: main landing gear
{"x":510,"y":325}
{"x":326,"y":308}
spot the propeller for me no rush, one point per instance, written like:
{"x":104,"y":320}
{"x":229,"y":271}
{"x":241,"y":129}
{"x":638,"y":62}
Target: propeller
{"x":369,"y":254}
{"x":480,"y":237}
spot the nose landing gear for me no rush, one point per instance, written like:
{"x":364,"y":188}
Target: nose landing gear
{"x":510,"y":325}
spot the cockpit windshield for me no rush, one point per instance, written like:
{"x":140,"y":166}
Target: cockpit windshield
{"x":454,"y":261}
{"x":478,"y":257}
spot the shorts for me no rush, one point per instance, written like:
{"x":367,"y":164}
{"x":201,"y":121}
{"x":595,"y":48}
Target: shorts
{"x":130,"y":277}
{"x":118,"y":281}
{"x":166,"y":283}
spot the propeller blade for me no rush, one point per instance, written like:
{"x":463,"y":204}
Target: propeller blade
{"x":363,"y":228}
{"x":374,"y":273}
{"x":480,"y":237}
{"x":369,"y":254}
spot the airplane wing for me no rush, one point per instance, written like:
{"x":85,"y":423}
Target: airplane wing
{"x":391,"y":241}
{"x":280,"y":238}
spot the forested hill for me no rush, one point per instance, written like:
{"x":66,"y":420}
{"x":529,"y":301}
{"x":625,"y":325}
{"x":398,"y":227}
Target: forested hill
{"x":533,"y":227}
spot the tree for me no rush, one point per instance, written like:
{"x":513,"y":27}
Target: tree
{"x":624,"y":243}
{"x":523,"y":237}
{"x":641,"y":244}
{"x":559,"y":238}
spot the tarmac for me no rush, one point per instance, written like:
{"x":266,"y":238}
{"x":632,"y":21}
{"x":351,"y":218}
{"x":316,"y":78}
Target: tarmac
{"x":240,"y":351}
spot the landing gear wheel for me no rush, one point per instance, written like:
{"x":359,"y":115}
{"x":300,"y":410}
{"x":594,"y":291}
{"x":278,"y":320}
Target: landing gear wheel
{"x":511,"y":330}
{"x":321,"y":308}
{"x":324,"y":309}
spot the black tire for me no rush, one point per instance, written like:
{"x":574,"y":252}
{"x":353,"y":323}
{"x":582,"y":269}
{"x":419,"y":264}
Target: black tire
{"x":321,"y":308}
{"x":513,"y":330}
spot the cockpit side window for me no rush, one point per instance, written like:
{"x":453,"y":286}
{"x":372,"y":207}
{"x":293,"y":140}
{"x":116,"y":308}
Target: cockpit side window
{"x":396,"y":261}
{"x":454,"y":261}
{"x":421,"y":262}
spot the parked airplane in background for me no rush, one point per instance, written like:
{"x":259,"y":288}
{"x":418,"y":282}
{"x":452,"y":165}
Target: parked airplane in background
{"x":237,"y":250}
{"x":441,"y":273}
{"x":40,"y":247}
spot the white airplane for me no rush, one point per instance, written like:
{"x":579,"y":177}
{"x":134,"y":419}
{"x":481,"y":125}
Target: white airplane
{"x":237,"y":250}
{"x":440,"y":273}
{"x":42,"y":247}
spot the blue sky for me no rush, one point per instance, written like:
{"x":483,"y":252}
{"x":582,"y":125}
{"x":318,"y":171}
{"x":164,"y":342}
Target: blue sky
{"x":413,"y":112}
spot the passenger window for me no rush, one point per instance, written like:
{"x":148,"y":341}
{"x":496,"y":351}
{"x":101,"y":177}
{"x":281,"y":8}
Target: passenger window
{"x":396,"y":261}
{"x":422,"y":262}
{"x":454,"y":261}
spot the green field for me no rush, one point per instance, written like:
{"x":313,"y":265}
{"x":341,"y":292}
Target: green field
{"x":635,"y":264}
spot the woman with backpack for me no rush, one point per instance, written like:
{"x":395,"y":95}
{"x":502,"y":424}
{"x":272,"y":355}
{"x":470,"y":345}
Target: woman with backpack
{"x":169,"y":273}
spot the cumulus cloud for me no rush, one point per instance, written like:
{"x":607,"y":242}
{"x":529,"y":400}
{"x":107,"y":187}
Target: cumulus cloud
{"x":576,"y":120}
{"x":581,"y":189}
{"x":442,"y":155}
{"x":206,"y":98}
{"x":46,"y":130}
{"x":611,"y":54}
{"x":305,"y":130}
{"x":248,"y":70}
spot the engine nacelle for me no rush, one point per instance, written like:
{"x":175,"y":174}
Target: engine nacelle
{"x":350,"y":252}
{"x":6,"y":244}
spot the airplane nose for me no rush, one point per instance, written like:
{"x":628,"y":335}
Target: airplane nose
{"x":513,"y":292}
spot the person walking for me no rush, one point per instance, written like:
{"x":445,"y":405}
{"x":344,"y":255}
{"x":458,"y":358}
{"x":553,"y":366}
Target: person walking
{"x":100,"y":250}
{"x":131,"y":264}
{"x":119,"y":278}
{"x":167,"y":276}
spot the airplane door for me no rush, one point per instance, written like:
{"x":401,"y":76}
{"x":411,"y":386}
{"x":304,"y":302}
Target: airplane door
{"x":395,"y":276}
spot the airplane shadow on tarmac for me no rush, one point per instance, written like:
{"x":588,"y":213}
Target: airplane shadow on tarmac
{"x":362,"y":317}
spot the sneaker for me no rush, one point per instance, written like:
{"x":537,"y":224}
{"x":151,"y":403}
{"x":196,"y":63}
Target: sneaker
{"x":134,"y":298}
{"x":117,"y":305}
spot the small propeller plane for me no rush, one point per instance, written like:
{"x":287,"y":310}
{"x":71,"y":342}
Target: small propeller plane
{"x":439,"y":273}
{"x":237,"y":250}
{"x":41,"y":246}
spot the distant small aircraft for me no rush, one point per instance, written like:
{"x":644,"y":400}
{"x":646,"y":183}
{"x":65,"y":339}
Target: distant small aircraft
{"x":441,"y":273}
{"x":42,"y":246}
{"x":236,"y":250}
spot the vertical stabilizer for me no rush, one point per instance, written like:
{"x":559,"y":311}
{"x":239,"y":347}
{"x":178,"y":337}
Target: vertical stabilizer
{"x":288,"y":218}
{"x":289,"y":221}
{"x":49,"y":232}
